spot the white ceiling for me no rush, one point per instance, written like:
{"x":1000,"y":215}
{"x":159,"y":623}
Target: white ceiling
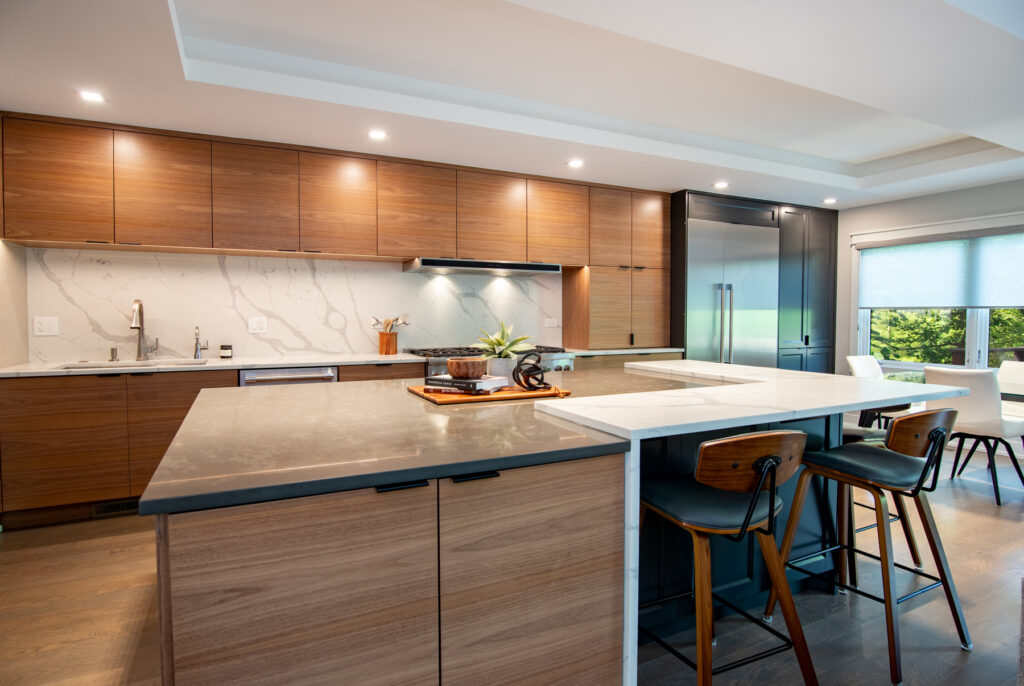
{"x":796,"y":100}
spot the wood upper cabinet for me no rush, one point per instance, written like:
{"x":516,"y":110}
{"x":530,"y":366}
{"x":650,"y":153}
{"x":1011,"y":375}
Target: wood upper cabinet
{"x":491,"y":217}
{"x":651,"y":231}
{"x":557,"y":222}
{"x":338,"y":204}
{"x":255,"y":197}
{"x":162,"y":190}
{"x":650,"y":307}
{"x":610,"y":227}
{"x":58,"y":182}
{"x":157,"y":405}
{"x":63,"y":440}
{"x":531,"y":575}
{"x":415,"y":210}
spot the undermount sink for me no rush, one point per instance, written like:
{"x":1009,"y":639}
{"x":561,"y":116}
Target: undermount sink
{"x":180,"y":363}
{"x":132,"y":363}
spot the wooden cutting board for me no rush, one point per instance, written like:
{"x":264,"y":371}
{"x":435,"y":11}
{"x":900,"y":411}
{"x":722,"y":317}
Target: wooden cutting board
{"x":517,"y":394}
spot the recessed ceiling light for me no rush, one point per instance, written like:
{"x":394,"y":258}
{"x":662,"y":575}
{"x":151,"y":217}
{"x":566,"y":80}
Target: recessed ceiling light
{"x":829,"y":201}
{"x":91,"y":96}
{"x":721,"y":185}
{"x":378,"y":134}
{"x":575,"y":163}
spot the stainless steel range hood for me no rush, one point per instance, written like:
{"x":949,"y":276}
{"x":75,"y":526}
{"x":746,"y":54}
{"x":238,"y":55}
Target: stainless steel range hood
{"x":447,"y":265}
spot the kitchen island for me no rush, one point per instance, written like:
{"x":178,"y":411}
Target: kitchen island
{"x":311,"y":531}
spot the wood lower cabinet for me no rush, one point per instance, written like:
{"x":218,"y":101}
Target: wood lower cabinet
{"x":382,"y":370}
{"x":649,"y":297}
{"x":557,"y":222}
{"x":330,"y":589}
{"x":491,"y":222}
{"x":58,"y":182}
{"x":415,"y":210}
{"x":157,"y":405}
{"x":338,"y":204}
{"x":531,"y":575}
{"x":583,"y":361}
{"x":63,"y":440}
{"x":162,"y":190}
{"x":255,"y":197}
{"x":615,"y":307}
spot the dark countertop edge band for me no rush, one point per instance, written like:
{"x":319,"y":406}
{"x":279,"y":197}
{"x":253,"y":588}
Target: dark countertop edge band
{"x":261,"y":494}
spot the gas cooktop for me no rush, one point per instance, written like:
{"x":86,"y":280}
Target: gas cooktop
{"x":466,"y":351}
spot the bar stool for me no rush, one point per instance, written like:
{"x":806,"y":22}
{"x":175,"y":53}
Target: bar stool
{"x":980,"y":418}
{"x":867,"y":367}
{"x":897,"y":468}
{"x":732,"y":492}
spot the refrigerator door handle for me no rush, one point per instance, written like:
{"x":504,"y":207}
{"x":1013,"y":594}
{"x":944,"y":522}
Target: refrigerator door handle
{"x":721,"y":322}
{"x":732,"y":299}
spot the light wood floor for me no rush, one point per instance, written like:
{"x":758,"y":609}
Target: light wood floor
{"x":78,"y":606}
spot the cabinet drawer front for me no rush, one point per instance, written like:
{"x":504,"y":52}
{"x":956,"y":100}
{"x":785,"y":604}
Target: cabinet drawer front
{"x":374,"y":372}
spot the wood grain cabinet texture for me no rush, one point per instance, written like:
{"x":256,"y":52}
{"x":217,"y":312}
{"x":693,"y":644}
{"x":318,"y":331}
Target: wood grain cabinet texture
{"x":557,"y":222}
{"x":652,"y":230}
{"x":376,"y":372}
{"x":157,"y":405}
{"x":416,"y":210}
{"x":610,"y":228}
{"x":615,"y":307}
{"x":491,"y":222}
{"x":162,"y":193}
{"x":255,"y":198}
{"x":338,"y":204}
{"x":63,"y":440}
{"x":58,"y":182}
{"x":649,"y":311}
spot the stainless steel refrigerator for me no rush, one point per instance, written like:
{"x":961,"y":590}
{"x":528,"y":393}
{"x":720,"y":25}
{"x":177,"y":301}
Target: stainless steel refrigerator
{"x":732,"y":293}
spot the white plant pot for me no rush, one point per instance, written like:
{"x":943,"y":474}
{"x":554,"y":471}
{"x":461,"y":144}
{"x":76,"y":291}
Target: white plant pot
{"x":502,"y":366}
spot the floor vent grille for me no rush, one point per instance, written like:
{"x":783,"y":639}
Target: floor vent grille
{"x":116,"y":508}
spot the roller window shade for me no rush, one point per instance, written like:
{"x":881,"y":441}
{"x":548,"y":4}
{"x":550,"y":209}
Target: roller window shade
{"x":970,"y":272}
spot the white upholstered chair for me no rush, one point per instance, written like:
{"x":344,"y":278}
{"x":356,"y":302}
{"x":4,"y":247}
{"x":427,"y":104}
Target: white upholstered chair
{"x":1012,"y":372}
{"x":867,"y":367}
{"x":980,"y":418}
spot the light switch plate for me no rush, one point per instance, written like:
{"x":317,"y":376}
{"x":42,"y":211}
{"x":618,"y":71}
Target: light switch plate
{"x":46,"y":326}
{"x":551,"y":323}
{"x":257,"y":324}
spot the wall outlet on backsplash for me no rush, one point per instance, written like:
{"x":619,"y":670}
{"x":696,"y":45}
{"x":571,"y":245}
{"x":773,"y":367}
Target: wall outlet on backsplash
{"x":551,"y":323}
{"x":257,"y":325}
{"x":46,"y":326}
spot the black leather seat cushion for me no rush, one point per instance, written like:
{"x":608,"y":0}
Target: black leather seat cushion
{"x":870,"y":462}
{"x":689,"y":502}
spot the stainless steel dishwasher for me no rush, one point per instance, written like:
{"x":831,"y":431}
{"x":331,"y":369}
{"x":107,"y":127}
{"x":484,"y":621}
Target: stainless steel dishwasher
{"x":287,"y":375}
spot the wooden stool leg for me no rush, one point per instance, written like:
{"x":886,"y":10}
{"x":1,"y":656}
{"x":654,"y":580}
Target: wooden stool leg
{"x":842,"y":530}
{"x":702,"y":600}
{"x":787,"y":539}
{"x":777,"y":572}
{"x":939,"y":554}
{"x":908,"y":531}
{"x":892,"y":626}
{"x":851,"y":557}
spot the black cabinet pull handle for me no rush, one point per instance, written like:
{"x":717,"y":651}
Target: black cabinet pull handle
{"x":402,"y":486}
{"x":382,"y":364}
{"x":286,"y":249}
{"x":475,"y":476}
{"x":107,"y":376}
{"x":103,"y":242}
{"x":632,"y":338}
{"x":623,"y":266}
{"x":807,"y":340}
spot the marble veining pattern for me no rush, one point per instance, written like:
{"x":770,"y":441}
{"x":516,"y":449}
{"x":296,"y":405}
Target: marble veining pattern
{"x":312,"y":306}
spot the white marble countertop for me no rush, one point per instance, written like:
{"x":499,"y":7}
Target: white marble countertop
{"x":182,"y":365}
{"x":624,"y":351}
{"x":752,"y":395}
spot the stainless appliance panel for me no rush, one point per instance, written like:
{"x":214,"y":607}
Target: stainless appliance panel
{"x":705,"y":273}
{"x":292,"y":375}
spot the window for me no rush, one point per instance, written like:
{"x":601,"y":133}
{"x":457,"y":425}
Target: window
{"x":958,"y":302}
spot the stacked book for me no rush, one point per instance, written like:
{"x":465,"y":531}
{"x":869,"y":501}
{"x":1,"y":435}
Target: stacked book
{"x":444,"y":383}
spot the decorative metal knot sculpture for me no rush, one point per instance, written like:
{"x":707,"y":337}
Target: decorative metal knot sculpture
{"x":528,"y":373}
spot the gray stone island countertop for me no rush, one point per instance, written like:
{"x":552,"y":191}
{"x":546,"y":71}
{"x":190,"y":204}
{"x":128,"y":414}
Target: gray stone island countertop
{"x":245,"y":445}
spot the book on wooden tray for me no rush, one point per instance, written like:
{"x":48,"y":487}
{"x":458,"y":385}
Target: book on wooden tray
{"x":458,"y":391}
{"x":485,"y":382}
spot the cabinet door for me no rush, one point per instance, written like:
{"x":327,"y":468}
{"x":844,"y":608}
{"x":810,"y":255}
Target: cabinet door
{"x":329,"y":589}
{"x":162,"y":190}
{"x":384,"y":370}
{"x":610,"y":227}
{"x":415,"y":210}
{"x":791,"y":278}
{"x":819,"y":278}
{"x":255,"y":198}
{"x":651,"y":231}
{"x":58,"y":182}
{"x":531,"y":576}
{"x":557,"y":222}
{"x":63,"y":440}
{"x":650,"y":307}
{"x":157,"y":405}
{"x":609,"y":307}
{"x":491,"y":217}
{"x":338,"y":204}
{"x":819,"y":360}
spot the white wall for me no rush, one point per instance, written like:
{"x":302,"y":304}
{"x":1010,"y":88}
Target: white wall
{"x":312,"y":305}
{"x":13,"y":313}
{"x":953,"y":206}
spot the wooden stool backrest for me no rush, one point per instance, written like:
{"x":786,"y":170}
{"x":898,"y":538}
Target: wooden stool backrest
{"x":911,"y":434}
{"x":728,"y":463}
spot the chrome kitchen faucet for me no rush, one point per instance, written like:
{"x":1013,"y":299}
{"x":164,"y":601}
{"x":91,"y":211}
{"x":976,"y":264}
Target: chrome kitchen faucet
{"x":138,"y":323}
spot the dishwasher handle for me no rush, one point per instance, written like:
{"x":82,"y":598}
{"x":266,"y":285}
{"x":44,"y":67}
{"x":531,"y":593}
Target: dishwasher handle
{"x":289,"y":378}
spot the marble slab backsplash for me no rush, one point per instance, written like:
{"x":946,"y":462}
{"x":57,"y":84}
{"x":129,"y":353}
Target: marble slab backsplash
{"x":311,"y":306}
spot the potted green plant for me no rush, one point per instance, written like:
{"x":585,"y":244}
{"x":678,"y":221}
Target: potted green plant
{"x":500,"y":349}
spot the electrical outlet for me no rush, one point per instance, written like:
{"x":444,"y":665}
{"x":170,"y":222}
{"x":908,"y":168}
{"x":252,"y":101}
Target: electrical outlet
{"x":257,"y":324}
{"x":551,"y":323}
{"x":46,"y":326}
